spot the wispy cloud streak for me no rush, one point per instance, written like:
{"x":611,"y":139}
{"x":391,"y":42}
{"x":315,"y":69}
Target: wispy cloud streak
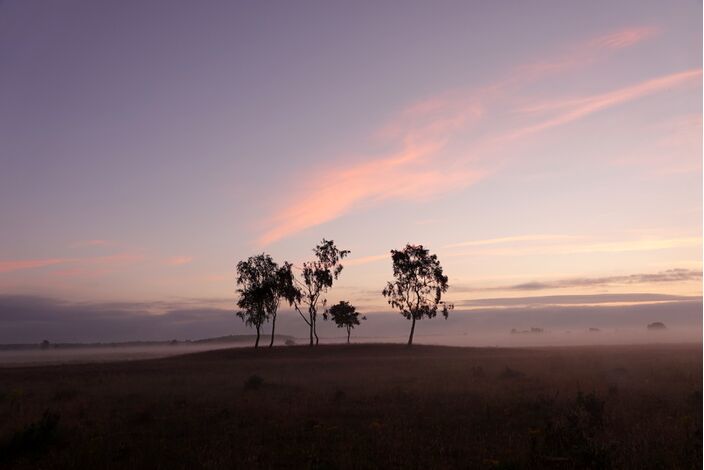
{"x":584,"y":247}
{"x":401,"y":176}
{"x":579,"y":108}
{"x":513,"y":239}
{"x":668,"y":277}
{"x":20,"y":264}
{"x":588,"y":51}
{"x":74,"y":265}
{"x":577,"y":299}
{"x":426,"y":160}
{"x":178,"y":260}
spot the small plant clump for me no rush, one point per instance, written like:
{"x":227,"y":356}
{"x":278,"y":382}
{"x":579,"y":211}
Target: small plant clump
{"x":253,"y":382}
{"x":33,"y":440}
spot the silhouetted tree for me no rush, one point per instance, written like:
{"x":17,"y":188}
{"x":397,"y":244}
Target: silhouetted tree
{"x":284,"y":288}
{"x":419,"y":285}
{"x":258,"y":293}
{"x":318,"y":276}
{"x":345,"y":316}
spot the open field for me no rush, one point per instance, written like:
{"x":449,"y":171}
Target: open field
{"x":361,"y":406}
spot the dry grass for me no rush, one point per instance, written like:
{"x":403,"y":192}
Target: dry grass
{"x":361,"y":406}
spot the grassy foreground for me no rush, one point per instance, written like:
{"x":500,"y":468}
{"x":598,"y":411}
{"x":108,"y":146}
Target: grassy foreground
{"x":361,"y":406}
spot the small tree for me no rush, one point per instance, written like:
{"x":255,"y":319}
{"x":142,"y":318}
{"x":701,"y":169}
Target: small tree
{"x":318,"y":276}
{"x":419,"y":285}
{"x":258,"y":295}
{"x":345,"y":316}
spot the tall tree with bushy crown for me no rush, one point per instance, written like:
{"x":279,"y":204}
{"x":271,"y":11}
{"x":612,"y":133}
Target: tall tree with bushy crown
{"x":317,"y":277}
{"x":418,"y":285}
{"x":262,"y":285}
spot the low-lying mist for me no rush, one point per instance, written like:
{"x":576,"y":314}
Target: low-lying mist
{"x":19,"y":357}
{"x":33,"y":322}
{"x":476,"y":338}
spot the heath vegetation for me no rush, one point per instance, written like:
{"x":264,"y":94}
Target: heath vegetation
{"x":361,"y":406}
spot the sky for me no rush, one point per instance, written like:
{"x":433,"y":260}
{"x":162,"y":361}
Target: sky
{"x":549,"y":152}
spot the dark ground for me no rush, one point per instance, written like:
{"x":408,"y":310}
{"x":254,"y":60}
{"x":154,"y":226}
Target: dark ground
{"x":361,"y":406}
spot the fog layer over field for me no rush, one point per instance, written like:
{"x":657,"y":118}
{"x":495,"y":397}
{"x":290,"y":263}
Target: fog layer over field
{"x":31,"y":320}
{"x":34,"y":319}
{"x":18,"y":357}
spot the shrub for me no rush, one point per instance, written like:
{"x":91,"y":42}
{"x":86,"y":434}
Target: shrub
{"x":509,"y":373}
{"x":253,"y":382}
{"x":32,"y":440}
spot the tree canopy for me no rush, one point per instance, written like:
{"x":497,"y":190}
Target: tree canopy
{"x":262,"y":286}
{"x":318,"y":276}
{"x":418,"y":286}
{"x":345,"y":316}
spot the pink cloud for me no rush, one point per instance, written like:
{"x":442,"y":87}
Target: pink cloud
{"x":78,"y":271}
{"x":19,"y":264}
{"x":426,"y":161}
{"x":178,"y":260}
{"x":584,"y":246}
{"x":624,"y":38}
{"x":75,"y":266}
{"x":577,"y":108}
{"x":513,"y":239}
{"x":404,"y":174}
{"x":118,"y":259}
{"x":99,"y":265}
{"x":587,"y":52}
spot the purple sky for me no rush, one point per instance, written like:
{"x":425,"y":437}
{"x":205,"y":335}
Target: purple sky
{"x":145,"y":147}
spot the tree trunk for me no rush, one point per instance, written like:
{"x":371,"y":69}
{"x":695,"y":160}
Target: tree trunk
{"x":413,"y":327}
{"x":310,"y":325}
{"x":348,"y":335}
{"x":256,"y":343}
{"x":273,"y":330}
{"x":313,"y":330}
